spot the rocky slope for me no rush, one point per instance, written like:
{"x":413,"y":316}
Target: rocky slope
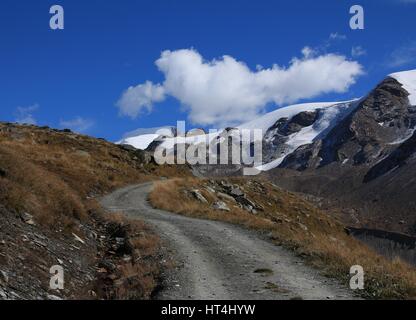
{"x":49,"y":181}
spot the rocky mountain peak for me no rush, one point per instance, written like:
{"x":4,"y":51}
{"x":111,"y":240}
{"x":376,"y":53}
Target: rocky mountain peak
{"x":382,"y":119}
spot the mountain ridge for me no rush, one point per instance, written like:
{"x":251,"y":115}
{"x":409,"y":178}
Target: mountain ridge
{"x":349,"y":153}
{"x":330,"y":114}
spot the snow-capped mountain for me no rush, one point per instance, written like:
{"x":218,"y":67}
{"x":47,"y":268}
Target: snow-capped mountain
{"x":408,"y":80}
{"x":356,"y":153}
{"x":292,"y":131}
{"x":327,"y":114}
{"x":142,"y":138}
{"x":366,"y":162}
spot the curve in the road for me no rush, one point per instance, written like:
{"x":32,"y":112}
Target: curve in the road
{"x":221,"y":261}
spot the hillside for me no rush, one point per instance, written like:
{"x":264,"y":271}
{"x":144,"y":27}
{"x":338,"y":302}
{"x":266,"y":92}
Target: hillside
{"x":49,"y":186}
{"x":49,"y":182}
{"x":287,"y":220}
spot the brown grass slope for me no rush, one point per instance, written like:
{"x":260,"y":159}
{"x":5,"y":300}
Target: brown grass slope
{"x":293,"y":222}
{"x":54,"y":176}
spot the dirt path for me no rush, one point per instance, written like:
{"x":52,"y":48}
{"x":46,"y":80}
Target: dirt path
{"x":222,"y":261}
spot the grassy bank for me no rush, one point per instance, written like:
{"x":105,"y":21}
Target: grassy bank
{"x":291,"y":221}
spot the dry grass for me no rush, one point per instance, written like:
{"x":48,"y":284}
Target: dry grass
{"x":52,"y":174}
{"x":291,"y":221}
{"x":55,"y":176}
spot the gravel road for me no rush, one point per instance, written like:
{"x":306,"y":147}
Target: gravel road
{"x":216,"y":260}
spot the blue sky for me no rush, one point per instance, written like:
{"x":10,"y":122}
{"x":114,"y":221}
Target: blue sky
{"x":75,"y":77}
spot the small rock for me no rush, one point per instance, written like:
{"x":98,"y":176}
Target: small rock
{"x":3,"y":295}
{"x":220,"y":205}
{"x":60,"y":261}
{"x":127,"y":258}
{"x":40,"y":243}
{"x":303,"y":227}
{"x":4,"y":277}
{"x":246,"y":202}
{"x":53,"y":297}
{"x":93,"y":235}
{"x":237,"y":192}
{"x":248,"y":208}
{"x":209,"y":189}
{"x":108,"y":265}
{"x":120,"y":241}
{"x":197,"y":194}
{"x":27,"y":218}
{"x":102,"y":270}
{"x":78,"y":238}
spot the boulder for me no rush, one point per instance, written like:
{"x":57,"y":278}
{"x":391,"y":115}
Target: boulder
{"x":77,"y":238}
{"x":236,"y":192}
{"x":220,"y":205}
{"x":224,"y":196}
{"x":246,"y":202}
{"x":3,"y":295}
{"x":27,"y":218}
{"x":197,"y":194}
{"x":209,"y":189}
{"x":4,"y":277}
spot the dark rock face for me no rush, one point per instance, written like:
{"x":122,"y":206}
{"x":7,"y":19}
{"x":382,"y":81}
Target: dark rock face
{"x":304,"y":157}
{"x":365,"y":163}
{"x":382,"y":118}
{"x":154,"y":144}
{"x":398,"y":158}
{"x":274,"y":144}
{"x":367,"y":135}
{"x":299,"y":121}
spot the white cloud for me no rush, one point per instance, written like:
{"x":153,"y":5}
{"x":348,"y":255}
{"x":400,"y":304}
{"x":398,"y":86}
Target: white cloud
{"x":141,"y":97}
{"x":403,"y":55}
{"x":226,"y":92}
{"x":358,"y":51}
{"x":308,"y":52}
{"x":77,"y":124}
{"x":25,"y":115}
